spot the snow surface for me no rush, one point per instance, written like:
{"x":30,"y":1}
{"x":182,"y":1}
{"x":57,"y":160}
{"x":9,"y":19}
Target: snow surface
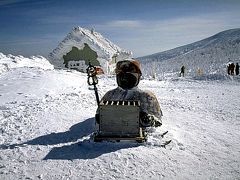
{"x":46,"y":120}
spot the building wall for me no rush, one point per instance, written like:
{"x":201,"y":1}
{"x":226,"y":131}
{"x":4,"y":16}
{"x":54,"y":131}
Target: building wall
{"x":78,"y":65}
{"x":86,"y":54}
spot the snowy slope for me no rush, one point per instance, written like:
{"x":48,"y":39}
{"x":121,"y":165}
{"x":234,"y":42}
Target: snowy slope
{"x":46,"y":119}
{"x":9,"y":61}
{"x":210,"y":55}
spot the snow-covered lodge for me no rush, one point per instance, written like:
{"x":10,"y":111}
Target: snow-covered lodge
{"x":82,"y":46}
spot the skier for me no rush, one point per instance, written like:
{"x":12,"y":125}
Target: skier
{"x":237,"y":69}
{"x":128,"y":75}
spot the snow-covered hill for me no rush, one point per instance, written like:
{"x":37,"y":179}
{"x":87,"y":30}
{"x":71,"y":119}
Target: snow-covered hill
{"x":208,"y":56}
{"x":46,"y":120}
{"x":9,"y":61}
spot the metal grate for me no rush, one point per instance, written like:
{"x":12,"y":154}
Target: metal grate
{"x":122,"y":103}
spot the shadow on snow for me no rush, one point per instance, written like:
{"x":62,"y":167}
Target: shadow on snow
{"x":86,"y":150}
{"x":81,"y":150}
{"x":75,"y":132}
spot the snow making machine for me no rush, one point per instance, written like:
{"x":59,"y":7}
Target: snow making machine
{"x":118,"y":120}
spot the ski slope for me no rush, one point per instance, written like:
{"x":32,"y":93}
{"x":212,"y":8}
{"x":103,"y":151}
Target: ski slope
{"x":46,"y":120}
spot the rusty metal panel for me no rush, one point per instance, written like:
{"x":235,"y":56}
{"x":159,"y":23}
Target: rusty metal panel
{"x":119,"y":118}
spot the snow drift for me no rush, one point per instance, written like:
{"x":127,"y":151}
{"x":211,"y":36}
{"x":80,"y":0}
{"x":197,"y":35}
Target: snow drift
{"x":9,"y":61}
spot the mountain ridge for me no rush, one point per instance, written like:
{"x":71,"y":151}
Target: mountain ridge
{"x":211,"y":38}
{"x":218,"y":50}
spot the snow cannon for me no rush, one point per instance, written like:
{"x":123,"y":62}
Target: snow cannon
{"x":119,"y":120}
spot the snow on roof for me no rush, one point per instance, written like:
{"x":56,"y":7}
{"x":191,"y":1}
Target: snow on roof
{"x":104,"y":48}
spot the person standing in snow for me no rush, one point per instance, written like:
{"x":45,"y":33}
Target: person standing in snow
{"x":128,"y":75}
{"x":182,"y":71}
{"x":232,"y":67}
{"x":229,"y":69}
{"x":237,"y":69}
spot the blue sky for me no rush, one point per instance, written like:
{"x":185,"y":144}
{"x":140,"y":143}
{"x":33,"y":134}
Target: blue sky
{"x":31,"y":27}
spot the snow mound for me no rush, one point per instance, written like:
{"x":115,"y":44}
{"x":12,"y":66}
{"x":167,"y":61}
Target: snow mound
{"x":9,"y":61}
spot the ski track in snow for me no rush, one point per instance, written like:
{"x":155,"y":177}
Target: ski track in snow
{"x":47,"y":119}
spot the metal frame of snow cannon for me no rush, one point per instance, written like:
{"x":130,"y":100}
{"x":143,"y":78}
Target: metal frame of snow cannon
{"x":118,"y":120}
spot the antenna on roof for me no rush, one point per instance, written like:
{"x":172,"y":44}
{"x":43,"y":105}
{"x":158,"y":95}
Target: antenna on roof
{"x":92,"y":31}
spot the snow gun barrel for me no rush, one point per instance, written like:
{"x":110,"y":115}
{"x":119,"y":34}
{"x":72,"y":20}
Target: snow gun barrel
{"x":93,"y":80}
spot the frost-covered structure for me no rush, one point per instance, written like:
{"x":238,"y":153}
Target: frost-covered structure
{"x":82,"y":46}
